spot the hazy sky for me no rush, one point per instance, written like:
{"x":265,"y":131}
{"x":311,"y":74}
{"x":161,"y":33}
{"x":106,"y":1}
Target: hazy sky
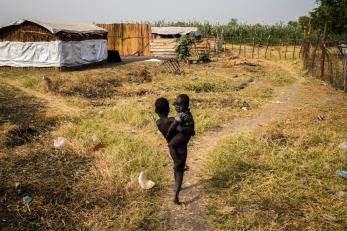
{"x":88,"y":11}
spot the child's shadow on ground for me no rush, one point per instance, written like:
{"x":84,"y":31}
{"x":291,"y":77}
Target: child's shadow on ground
{"x":193,"y":190}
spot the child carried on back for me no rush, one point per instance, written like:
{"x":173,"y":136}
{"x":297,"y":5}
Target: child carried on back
{"x":177,"y":132}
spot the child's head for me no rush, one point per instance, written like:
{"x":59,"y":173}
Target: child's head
{"x":182,"y":102}
{"x":162,"y":106}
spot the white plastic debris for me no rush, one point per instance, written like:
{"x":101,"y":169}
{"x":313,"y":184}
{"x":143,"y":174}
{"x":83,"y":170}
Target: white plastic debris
{"x":95,"y":139}
{"x":343,"y":146}
{"x":153,"y":60}
{"x":244,"y":109}
{"x":341,"y":194}
{"x":133,"y":131}
{"x":321,"y":117}
{"x":278,"y":102}
{"x":144,"y":182}
{"x":59,"y":142}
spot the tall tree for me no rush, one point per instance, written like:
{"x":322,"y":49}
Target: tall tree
{"x":332,"y":12}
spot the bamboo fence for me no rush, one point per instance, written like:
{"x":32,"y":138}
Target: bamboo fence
{"x":128,"y":39}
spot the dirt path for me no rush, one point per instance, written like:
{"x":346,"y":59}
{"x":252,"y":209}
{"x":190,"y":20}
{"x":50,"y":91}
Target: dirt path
{"x":191,"y":215}
{"x":56,"y":103}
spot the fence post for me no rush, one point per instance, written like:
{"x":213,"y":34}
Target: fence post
{"x":285,"y":53}
{"x":314,"y":53}
{"x":253,"y":48}
{"x":322,"y":63}
{"x":279,"y":49}
{"x":267,"y":46}
{"x":294,"y":48}
{"x":307,"y":43}
{"x":240,"y":44}
{"x":345,"y":75}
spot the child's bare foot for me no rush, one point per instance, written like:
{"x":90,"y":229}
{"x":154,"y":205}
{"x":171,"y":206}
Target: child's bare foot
{"x":176,"y":201}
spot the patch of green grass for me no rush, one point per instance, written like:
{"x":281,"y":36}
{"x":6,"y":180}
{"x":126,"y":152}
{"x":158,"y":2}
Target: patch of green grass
{"x":282,"y":77}
{"x":30,"y":83}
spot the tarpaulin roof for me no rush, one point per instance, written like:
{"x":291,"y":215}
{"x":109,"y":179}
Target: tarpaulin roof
{"x":55,"y":28}
{"x":176,"y":30}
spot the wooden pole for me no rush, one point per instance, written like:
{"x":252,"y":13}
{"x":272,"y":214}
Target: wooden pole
{"x":285,"y":53}
{"x":322,"y":63}
{"x":253,"y":48}
{"x":345,"y":73}
{"x":267,"y":46}
{"x":240,"y":44}
{"x":279,"y":49}
{"x":294,"y":49}
{"x":314,"y":53}
{"x":307,"y":44}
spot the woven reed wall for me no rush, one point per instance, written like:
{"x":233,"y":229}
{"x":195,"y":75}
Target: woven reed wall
{"x":128,"y":39}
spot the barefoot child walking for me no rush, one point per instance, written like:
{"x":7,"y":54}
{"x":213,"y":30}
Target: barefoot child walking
{"x":177,"y":132}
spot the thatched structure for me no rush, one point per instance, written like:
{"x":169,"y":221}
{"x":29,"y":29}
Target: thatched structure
{"x":28,"y":43}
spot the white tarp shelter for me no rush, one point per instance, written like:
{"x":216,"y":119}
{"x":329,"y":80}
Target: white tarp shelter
{"x":176,"y":31}
{"x":28,"y":43}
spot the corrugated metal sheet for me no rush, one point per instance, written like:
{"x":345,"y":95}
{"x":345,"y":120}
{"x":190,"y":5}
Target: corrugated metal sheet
{"x":55,"y":28}
{"x":176,"y":30}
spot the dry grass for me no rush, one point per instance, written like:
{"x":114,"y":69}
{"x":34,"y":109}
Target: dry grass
{"x":77,"y":188}
{"x":282,"y":177}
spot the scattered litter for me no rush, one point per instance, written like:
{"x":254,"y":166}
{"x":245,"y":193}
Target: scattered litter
{"x":144,"y":182}
{"x":133,"y":131}
{"x":16,"y":185}
{"x":97,"y":145}
{"x":59,"y":142}
{"x":326,"y":166}
{"x":196,"y":142}
{"x":45,"y":77}
{"x":278,"y":102}
{"x":244,"y":109}
{"x":153,"y":60}
{"x":27,"y":199}
{"x":341,"y":173}
{"x":233,"y":57}
{"x":329,"y":218}
{"x":341,"y":194}
{"x":321,"y":117}
{"x":343,"y":146}
{"x":95,"y":139}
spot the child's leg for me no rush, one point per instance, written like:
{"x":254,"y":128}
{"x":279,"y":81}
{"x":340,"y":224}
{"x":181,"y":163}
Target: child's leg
{"x":179,"y":170}
{"x":177,"y":140}
{"x":178,"y":152}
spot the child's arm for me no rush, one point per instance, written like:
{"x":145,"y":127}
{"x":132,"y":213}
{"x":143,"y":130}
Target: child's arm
{"x":186,"y":130}
{"x":172,"y":128}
